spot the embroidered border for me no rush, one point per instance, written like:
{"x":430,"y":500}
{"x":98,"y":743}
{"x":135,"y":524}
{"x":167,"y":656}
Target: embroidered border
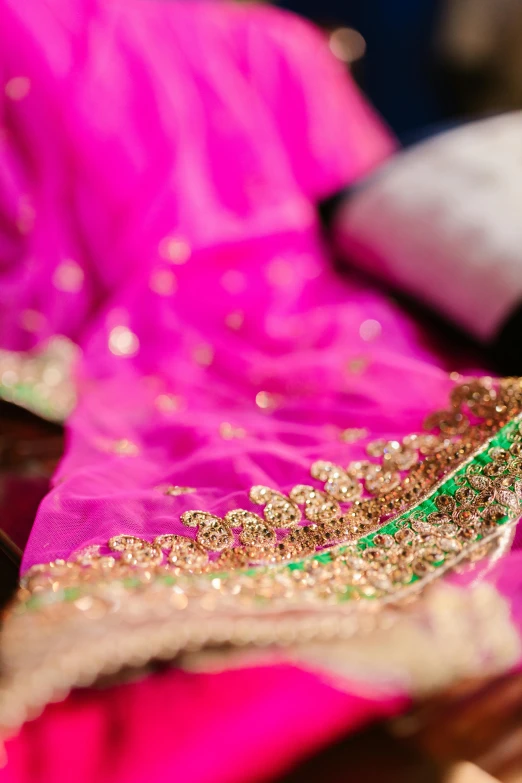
{"x":96,"y":613}
{"x":457,"y":520}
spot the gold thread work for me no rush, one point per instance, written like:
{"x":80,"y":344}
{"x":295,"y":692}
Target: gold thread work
{"x":359,"y":541}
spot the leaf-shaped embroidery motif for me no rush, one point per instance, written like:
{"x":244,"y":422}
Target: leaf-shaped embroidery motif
{"x":213,"y":533}
{"x":136,"y":550}
{"x":479,"y":482}
{"x":319,"y":507}
{"x":183,"y":552}
{"x":338,"y":483}
{"x":279,"y":510}
{"x":255,"y":531}
{"x":507,"y":498}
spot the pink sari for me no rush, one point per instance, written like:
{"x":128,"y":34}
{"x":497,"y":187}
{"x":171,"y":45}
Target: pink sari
{"x":161,"y":164}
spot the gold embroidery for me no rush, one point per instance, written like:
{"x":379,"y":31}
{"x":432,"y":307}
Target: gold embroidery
{"x":183,"y":552}
{"x":123,"y":342}
{"x":339,"y":484}
{"x":253,"y":579}
{"x":409,"y":547}
{"x":279,"y":511}
{"x":257,"y":537}
{"x":390,"y":567}
{"x":135,"y":551}
{"x":213,"y":533}
{"x":399,"y":479}
{"x":267,"y":401}
{"x":353,"y":434}
{"x":174,"y":491}
{"x":229,"y":432}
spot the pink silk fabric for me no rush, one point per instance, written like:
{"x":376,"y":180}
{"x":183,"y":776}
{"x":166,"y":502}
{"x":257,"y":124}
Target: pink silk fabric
{"x":160,"y":167}
{"x":232,"y":727}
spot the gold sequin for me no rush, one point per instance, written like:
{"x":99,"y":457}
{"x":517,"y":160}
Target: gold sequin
{"x":174,"y":490}
{"x":184,"y":553}
{"x":18,"y":88}
{"x":213,"y":533}
{"x":307,"y":550}
{"x":229,"y":432}
{"x":233,"y":281}
{"x":235,"y":320}
{"x":358,"y":365}
{"x":347,"y":44}
{"x":123,"y":342}
{"x":125,"y":447}
{"x":258,"y":537}
{"x":319,"y":506}
{"x":68,"y":277}
{"x":136,"y":551}
{"x":395,"y":456}
{"x":174,"y":249}
{"x":266,"y":401}
{"x":339,"y":484}
{"x":168,"y":402}
{"x":370,"y":330}
{"x":203,"y":355}
{"x":353,"y":434}
{"x":163,"y":282}
{"x":280,"y":272}
{"x":279,"y":511}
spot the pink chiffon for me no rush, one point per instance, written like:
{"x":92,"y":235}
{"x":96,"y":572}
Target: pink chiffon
{"x":173,"y":155}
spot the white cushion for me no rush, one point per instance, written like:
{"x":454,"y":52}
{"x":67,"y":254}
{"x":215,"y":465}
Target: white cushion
{"x":443,"y":220}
